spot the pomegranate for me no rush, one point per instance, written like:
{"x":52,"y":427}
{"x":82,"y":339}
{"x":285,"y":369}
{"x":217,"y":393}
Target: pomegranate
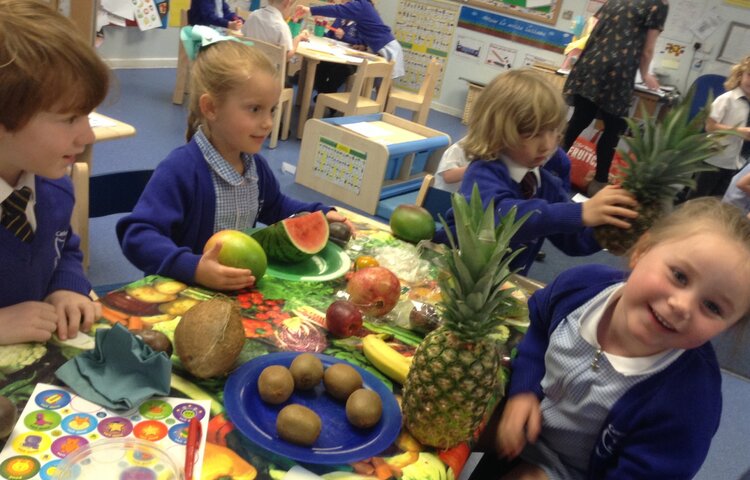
{"x":374,"y":290}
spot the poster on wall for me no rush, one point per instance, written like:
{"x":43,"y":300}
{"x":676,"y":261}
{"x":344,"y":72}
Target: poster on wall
{"x":543,"y":11}
{"x":424,"y":28}
{"x":500,"y":57}
{"x":514,"y":29}
{"x":530,"y":60}
{"x":671,"y":52}
{"x":469,"y":47}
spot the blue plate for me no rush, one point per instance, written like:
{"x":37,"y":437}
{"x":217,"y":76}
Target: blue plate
{"x":339,"y":441}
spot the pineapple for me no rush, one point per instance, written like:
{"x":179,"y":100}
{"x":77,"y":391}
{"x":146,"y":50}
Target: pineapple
{"x":454,"y":373}
{"x":662,"y":158}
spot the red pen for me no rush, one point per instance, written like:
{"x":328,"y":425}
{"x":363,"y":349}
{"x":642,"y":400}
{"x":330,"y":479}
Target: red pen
{"x":195,"y":432}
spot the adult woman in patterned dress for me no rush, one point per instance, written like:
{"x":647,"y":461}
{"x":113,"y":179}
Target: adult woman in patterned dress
{"x":601,"y":81}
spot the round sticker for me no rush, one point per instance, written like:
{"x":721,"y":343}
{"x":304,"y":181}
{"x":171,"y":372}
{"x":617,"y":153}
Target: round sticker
{"x":31,"y":443}
{"x":79,"y":423}
{"x":52,"y":399}
{"x":155,"y":409}
{"x":115,"y":427}
{"x":178,"y":433}
{"x":185,"y":412}
{"x":42,"y":420}
{"x":151,"y":430}
{"x":138,"y":473}
{"x":50,"y":470}
{"x":64,"y":446}
{"x":19,"y":468}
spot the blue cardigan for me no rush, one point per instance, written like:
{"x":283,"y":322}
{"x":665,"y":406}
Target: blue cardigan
{"x":52,"y":260}
{"x":203,"y":12}
{"x":659,"y":429}
{"x":370,"y":27}
{"x":555,"y":216}
{"x":174,"y":217}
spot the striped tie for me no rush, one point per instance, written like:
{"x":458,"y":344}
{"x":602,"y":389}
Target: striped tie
{"x":14,"y":214}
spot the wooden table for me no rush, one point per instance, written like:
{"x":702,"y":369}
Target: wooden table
{"x":105,"y":129}
{"x":322,"y":49}
{"x":271,"y":314}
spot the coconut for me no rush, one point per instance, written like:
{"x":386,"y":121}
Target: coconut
{"x":209,"y":338}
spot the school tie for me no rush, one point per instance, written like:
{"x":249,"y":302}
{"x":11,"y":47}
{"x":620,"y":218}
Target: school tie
{"x":745,"y":152}
{"x":14,"y":214}
{"x":528,"y":185}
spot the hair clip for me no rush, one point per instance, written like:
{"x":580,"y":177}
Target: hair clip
{"x":196,"y":37}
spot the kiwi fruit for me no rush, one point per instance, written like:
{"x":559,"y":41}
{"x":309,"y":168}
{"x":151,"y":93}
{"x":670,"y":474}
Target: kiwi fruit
{"x":155,"y":339}
{"x":341,"y":380}
{"x":364,"y":408}
{"x":275,"y":384}
{"x":298,"y":424}
{"x":8,"y":416}
{"x":209,"y":338}
{"x":307,"y":370}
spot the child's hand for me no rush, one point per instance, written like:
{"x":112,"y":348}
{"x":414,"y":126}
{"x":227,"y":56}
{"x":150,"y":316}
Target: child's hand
{"x":521,"y":422}
{"x":74,"y":312}
{"x":210,"y":273}
{"x":303,"y":36}
{"x":338,"y":33}
{"x":27,"y":322}
{"x":334,"y":216}
{"x":609,"y":206}
{"x":745,"y":131}
{"x":300,"y":11}
{"x":234,"y":24}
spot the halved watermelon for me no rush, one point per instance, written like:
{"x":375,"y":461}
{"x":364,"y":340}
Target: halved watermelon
{"x":294,"y":239}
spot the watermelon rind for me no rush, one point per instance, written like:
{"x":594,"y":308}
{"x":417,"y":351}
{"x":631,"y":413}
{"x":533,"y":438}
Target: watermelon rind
{"x":296,"y":239}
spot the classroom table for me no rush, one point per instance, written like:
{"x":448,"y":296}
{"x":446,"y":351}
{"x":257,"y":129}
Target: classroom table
{"x":279,"y":315}
{"x":322,"y":49}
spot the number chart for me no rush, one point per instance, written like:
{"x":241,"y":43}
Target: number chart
{"x":56,"y":422}
{"x":340,"y":165}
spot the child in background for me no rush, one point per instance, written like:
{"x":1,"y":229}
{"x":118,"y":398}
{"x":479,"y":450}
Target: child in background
{"x":213,"y":13}
{"x":453,"y":164}
{"x":268,"y":24}
{"x":730,"y":111}
{"x":43,"y":126}
{"x":329,"y":76}
{"x":738,"y":192}
{"x":217,"y":180}
{"x":373,"y":32}
{"x":616,"y":376}
{"x":513,"y":133}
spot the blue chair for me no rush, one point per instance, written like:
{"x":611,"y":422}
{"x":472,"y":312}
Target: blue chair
{"x":703,"y":86}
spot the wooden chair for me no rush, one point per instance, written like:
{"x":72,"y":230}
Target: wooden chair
{"x":418,"y":102}
{"x":277,"y":55}
{"x":434,"y":200}
{"x":102,"y":195}
{"x":359,"y":100}
{"x":183,"y":66}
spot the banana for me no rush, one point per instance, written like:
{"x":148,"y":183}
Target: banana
{"x":391,"y":363}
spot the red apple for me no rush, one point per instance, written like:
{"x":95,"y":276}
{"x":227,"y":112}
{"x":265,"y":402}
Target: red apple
{"x":343,"y":319}
{"x":239,"y":250}
{"x":374,"y":290}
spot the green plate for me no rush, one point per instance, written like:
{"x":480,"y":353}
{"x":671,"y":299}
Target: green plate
{"x":329,"y":264}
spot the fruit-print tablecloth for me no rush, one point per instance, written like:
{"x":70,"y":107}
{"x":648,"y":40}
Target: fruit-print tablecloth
{"x":278,"y":315}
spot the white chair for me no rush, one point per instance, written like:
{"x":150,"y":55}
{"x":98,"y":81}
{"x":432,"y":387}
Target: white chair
{"x":418,"y":102}
{"x":359,"y":100}
{"x":277,"y":55}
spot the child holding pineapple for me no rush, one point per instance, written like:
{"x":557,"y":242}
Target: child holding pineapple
{"x":730,"y":111}
{"x":616,"y":376}
{"x":513,"y":133}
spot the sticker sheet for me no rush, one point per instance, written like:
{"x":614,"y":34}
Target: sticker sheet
{"x":56,"y":422}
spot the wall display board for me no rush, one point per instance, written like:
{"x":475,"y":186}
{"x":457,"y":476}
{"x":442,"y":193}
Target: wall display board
{"x":514,"y":29}
{"x":543,"y":11}
{"x":735,"y":43}
{"x":424,"y":28}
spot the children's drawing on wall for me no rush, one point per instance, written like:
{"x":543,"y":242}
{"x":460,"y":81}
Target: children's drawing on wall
{"x":530,"y":60}
{"x":500,"y":57}
{"x":424,"y":28}
{"x":706,"y":24}
{"x":670,"y":53}
{"x":469,"y":47}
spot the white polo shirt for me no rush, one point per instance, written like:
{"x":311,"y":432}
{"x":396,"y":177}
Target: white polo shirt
{"x":730,"y":109}
{"x":267,"y":24}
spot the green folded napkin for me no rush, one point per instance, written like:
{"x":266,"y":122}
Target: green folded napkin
{"x":120,"y":372}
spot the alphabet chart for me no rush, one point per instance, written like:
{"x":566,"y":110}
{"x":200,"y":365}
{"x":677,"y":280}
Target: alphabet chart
{"x":56,"y":422}
{"x":425,"y":30}
{"x":339,"y":164}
